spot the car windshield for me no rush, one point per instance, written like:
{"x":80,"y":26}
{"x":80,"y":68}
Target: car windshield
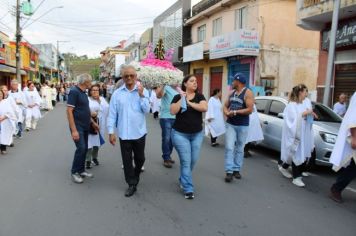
{"x":325,"y":114}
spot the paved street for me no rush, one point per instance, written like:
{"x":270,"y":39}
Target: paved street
{"x":38,"y":198}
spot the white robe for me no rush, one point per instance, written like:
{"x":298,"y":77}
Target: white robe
{"x":8,"y":126}
{"x":216,"y":127}
{"x":155,"y":102}
{"x":46,"y":93}
{"x":255,"y":133}
{"x":102,"y":110}
{"x":19,"y":97}
{"x":309,"y":134}
{"x":342,"y":152}
{"x":33,"y":98}
{"x":293,"y":134}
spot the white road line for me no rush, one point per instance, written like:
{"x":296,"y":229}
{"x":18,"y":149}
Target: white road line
{"x":351,"y":189}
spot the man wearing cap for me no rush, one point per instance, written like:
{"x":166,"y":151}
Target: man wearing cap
{"x":237,"y":108}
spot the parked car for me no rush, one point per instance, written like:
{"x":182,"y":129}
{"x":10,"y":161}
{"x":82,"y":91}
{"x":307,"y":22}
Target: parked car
{"x":270,"y":111}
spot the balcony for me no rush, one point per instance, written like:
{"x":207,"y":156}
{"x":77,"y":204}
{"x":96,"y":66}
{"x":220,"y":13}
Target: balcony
{"x":203,"y":5}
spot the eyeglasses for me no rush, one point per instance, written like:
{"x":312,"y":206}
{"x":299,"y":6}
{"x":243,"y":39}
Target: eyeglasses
{"x":128,"y":76}
{"x":95,"y":90}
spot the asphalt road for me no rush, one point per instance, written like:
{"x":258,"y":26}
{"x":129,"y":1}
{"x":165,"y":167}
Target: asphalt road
{"x":37,"y":197}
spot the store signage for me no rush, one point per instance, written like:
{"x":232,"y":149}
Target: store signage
{"x":345,"y":36}
{"x":240,"y":42}
{"x":194,"y":52}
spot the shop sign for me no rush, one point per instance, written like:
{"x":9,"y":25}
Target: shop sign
{"x":345,"y":36}
{"x":240,"y":42}
{"x":194,"y":52}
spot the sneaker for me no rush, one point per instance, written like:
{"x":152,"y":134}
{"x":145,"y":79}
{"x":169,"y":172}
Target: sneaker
{"x":285,"y":172}
{"x":86,"y":175}
{"x":130,"y":191}
{"x":27,"y":129}
{"x":189,"y":196}
{"x":12,"y":145}
{"x":167,"y":164}
{"x":76,"y":178}
{"x":247,"y":154}
{"x":172,"y":161}
{"x":88,"y":165}
{"x":335,"y":195}
{"x":215,"y":144}
{"x":96,"y":162}
{"x":305,"y":174}
{"x":142,"y":168}
{"x":298,"y":182}
{"x":236,"y":174}
{"x":228,"y":177}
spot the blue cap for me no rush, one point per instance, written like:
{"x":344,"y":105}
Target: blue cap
{"x":240,"y":77}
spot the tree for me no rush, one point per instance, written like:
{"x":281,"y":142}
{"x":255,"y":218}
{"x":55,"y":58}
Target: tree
{"x":95,"y":73}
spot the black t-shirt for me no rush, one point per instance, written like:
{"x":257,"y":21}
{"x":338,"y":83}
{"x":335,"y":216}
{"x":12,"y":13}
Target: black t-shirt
{"x":80,"y":102}
{"x":191,"y":120}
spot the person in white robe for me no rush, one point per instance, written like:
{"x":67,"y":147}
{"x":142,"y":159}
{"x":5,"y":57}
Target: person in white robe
{"x":33,"y":113}
{"x":155,"y":104}
{"x":294,"y":139}
{"x":214,"y":118}
{"x":99,"y":108}
{"x":340,"y":107}
{"x":12,"y":104}
{"x":343,"y":156}
{"x":7,"y":123}
{"x":20,"y":100}
{"x":255,"y":133}
{"x":46,"y":93}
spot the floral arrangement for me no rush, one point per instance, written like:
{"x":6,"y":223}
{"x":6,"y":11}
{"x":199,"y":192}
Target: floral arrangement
{"x":157,"y":69}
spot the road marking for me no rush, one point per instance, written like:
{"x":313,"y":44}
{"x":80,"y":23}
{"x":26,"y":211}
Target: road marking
{"x":351,"y":189}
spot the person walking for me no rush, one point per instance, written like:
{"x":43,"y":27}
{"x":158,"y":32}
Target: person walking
{"x":79,"y":119}
{"x":237,"y":109}
{"x":294,"y":147}
{"x":155,"y":103}
{"x":20,"y":100}
{"x":166,"y":121}
{"x":340,"y":107}
{"x":214,"y":118}
{"x":54,"y":94}
{"x":7,"y":123}
{"x":128,"y":106}
{"x":33,"y":113}
{"x":255,"y":133}
{"x":99,"y":109}
{"x":187,"y":133}
{"x":343,"y":156}
{"x":46,"y":93}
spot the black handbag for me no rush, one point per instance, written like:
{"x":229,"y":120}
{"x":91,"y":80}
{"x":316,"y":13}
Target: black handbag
{"x":91,"y":128}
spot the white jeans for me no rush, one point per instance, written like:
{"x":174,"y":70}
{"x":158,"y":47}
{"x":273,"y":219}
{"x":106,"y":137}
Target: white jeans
{"x":31,"y":123}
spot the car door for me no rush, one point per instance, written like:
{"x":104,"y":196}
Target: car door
{"x":273,"y":125}
{"x":262,"y":108}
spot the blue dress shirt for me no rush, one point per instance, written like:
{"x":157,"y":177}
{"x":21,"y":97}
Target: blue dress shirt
{"x":127,"y":113}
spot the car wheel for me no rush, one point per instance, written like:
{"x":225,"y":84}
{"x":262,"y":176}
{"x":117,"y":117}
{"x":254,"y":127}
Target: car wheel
{"x":311,"y":163}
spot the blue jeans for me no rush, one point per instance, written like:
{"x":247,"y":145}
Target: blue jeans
{"x":167,"y":146}
{"x":188,"y":148}
{"x":235,"y":139}
{"x":78,"y":165}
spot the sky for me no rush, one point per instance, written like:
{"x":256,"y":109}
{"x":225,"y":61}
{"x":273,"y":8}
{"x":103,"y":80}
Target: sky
{"x":84,"y":27}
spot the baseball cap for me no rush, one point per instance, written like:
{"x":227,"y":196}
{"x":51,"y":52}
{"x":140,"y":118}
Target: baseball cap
{"x":240,"y":77}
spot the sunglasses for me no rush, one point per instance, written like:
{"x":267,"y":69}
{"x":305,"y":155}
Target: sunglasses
{"x":128,"y":76}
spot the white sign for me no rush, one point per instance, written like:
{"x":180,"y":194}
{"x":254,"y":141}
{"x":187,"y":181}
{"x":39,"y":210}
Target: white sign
{"x":194,"y":52}
{"x":240,"y":42}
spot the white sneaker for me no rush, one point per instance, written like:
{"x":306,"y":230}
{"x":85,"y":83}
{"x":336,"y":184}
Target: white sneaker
{"x":305,"y":174}
{"x":86,"y":175}
{"x":298,"y":182}
{"x":142,"y":169}
{"x":285,"y":172}
{"x":76,"y":178}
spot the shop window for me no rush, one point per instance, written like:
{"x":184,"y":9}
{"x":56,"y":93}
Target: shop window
{"x":201,"y":33}
{"x":268,"y":84}
{"x":241,"y":18}
{"x":217,"y":27}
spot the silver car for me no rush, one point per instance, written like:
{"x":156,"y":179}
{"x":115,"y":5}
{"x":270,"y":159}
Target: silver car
{"x":270,"y":111}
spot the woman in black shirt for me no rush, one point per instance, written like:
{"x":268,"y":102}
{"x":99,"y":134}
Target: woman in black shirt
{"x":187,"y":134}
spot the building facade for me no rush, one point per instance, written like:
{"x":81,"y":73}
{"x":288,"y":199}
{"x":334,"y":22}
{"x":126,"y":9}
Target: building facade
{"x":317,"y":16}
{"x":146,"y":38}
{"x":48,"y":61}
{"x":250,"y":37}
{"x":111,"y":60}
{"x":7,"y":61}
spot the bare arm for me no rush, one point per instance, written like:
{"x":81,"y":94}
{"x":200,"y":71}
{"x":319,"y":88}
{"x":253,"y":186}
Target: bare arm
{"x":226,"y":109}
{"x":175,"y":107}
{"x":249,"y":100}
{"x":353,"y":137}
{"x":72,"y":126}
{"x":160,"y":91}
{"x":202,"y":106}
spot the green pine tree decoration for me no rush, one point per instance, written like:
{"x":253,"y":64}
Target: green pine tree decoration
{"x":159,"y":50}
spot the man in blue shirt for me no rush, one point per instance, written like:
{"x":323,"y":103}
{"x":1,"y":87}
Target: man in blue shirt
{"x":128,"y":106}
{"x":79,"y":119}
{"x":166,"y":93}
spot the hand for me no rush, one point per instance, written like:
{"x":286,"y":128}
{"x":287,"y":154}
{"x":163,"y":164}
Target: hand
{"x":230,"y":113}
{"x":95,"y":126}
{"x":75,"y":136}
{"x":112,"y":138}
{"x":140,"y":90}
{"x":210,"y":119}
{"x":2,"y":118}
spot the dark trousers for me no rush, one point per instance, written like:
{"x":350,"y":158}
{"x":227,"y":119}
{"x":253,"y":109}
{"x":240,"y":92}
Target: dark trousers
{"x":296,"y":170}
{"x":213,"y":140}
{"x":53,"y":103}
{"x":3,"y":148}
{"x":19,"y":125}
{"x":78,"y":165}
{"x":345,"y":177}
{"x":155,"y":115}
{"x":133,"y":149}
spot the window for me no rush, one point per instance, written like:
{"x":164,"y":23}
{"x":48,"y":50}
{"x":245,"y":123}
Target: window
{"x":217,"y":27}
{"x":201,"y":33}
{"x":276,"y":108}
{"x":241,"y":18}
{"x":261,"y":105}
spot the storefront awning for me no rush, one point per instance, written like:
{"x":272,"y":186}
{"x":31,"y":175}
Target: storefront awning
{"x":11,"y":70}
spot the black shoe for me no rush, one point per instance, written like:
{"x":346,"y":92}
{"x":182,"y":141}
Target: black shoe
{"x":96,"y":162}
{"x":189,"y":196}
{"x":87,"y":165}
{"x":228,"y":177}
{"x":236,"y":174}
{"x":130,"y":191}
{"x":12,"y":145}
{"x":167,"y":164}
{"x":247,"y":154}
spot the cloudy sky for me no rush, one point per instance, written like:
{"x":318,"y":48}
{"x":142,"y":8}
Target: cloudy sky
{"x":88,"y":26}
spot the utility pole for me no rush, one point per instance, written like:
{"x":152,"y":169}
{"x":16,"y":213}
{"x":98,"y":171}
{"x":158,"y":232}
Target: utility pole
{"x":331,"y":56}
{"x":18,"y":41}
{"x":58,"y":57}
